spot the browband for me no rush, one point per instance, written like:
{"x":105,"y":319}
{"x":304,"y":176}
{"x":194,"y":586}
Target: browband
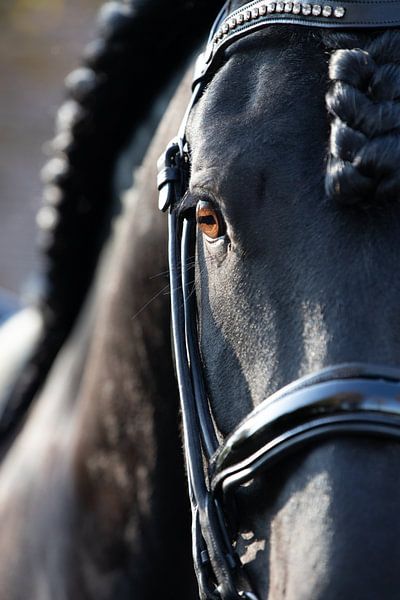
{"x":255,"y":15}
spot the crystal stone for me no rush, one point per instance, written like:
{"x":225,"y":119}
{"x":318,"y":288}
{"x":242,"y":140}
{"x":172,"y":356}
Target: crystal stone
{"x":327,"y":11}
{"x":316,"y":10}
{"x":306,"y":9}
{"x":288,"y":7}
{"x":280,"y":7}
{"x":296,"y":8}
{"x":339,"y":12}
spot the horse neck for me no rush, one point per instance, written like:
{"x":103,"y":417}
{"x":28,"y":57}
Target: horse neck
{"x":128,"y":467}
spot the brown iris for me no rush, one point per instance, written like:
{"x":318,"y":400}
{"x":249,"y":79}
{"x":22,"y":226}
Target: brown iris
{"x":209,"y":220}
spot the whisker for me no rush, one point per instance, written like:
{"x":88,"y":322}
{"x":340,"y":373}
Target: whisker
{"x":165,"y":291}
{"x":190,"y":265}
{"x":162,"y":274}
{"x":150,"y":301}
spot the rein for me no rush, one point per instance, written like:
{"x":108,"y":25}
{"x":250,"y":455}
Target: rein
{"x":352,"y":399}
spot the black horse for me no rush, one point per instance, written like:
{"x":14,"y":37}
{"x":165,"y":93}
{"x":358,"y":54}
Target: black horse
{"x":294,"y":147}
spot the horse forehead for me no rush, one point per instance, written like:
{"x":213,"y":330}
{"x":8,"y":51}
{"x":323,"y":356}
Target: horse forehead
{"x":255,"y":104}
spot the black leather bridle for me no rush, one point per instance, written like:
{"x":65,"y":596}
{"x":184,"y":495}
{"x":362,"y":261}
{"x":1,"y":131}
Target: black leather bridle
{"x":352,"y":399}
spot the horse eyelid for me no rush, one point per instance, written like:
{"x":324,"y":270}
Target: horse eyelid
{"x":188,"y":203}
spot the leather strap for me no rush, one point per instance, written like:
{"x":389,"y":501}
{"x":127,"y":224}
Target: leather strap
{"x":255,"y":15}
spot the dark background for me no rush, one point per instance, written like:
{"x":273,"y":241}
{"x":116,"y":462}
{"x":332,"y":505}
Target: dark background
{"x":40,"y":42}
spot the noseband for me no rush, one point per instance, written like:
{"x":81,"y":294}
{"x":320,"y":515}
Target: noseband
{"x":345,"y":400}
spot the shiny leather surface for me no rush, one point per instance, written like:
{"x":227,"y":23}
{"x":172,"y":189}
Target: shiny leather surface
{"x":358,"y":14}
{"x":319,"y":407}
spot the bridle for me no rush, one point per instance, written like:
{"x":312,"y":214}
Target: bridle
{"x":353,"y":399}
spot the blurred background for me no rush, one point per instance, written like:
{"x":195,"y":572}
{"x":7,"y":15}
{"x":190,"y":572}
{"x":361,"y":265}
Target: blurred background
{"x":40,"y":42}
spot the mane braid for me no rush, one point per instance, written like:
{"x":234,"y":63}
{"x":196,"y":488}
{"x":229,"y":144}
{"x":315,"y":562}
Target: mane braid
{"x":139,"y":46}
{"x":364,"y":102}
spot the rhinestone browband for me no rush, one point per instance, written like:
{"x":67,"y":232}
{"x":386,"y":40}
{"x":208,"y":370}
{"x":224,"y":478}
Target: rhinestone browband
{"x":264,"y":9}
{"x":349,"y":14}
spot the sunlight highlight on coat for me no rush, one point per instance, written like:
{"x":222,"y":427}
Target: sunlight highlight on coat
{"x":315,"y":337}
{"x":301,"y":529}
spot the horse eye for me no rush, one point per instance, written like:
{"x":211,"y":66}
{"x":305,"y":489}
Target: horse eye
{"x":209,"y":220}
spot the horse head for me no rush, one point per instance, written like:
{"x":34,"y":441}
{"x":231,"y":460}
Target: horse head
{"x":283,"y":243}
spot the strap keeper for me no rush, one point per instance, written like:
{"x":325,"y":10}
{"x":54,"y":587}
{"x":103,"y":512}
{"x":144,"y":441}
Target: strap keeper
{"x":167,"y":175}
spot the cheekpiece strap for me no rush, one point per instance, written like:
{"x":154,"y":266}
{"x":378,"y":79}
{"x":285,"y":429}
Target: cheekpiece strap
{"x":255,"y":15}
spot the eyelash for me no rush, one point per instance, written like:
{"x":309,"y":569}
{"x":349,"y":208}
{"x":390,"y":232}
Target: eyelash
{"x":187,"y":205}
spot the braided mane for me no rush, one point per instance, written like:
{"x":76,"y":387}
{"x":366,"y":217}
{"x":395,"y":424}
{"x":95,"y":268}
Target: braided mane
{"x":364,"y":101}
{"x":138,"y":48}
{"x":139,"y":45}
